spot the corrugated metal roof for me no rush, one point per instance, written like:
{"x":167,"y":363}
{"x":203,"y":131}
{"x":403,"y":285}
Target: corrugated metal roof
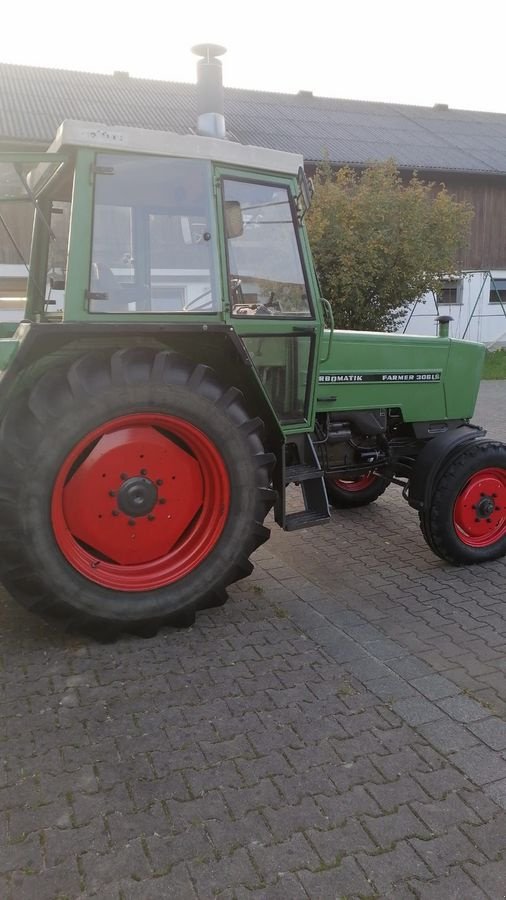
{"x":34,"y":102}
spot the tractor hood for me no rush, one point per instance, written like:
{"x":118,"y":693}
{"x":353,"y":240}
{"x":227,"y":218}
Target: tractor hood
{"x":428,"y":378}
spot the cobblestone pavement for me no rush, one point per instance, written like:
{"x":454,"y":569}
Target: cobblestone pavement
{"x":338,"y":730}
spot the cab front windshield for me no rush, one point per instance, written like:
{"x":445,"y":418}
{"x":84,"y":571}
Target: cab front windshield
{"x":153,"y":237}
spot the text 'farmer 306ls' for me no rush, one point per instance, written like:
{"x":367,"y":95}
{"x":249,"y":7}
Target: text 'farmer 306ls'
{"x":174,"y":374}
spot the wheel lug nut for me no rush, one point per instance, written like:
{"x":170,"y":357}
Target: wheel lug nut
{"x":151,"y":518}
{"x":115,"y":512}
{"x":144,"y":471}
{"x":131,"y":521}
{"x":162,"y":500}
{"x":112,"y":493}
{"x":159,"y":481}
{"x":124,"y":476}
{"x":489,"y":521}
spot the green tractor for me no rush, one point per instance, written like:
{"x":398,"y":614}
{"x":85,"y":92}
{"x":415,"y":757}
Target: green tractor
{"x":177,"y":370}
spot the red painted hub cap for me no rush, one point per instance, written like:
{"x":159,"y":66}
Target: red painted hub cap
{"x":479,"y":514}
{"x":140,"y":502}
{"x":356,"y":484}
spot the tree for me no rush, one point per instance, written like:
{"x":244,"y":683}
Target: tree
{"x":380,"y":243}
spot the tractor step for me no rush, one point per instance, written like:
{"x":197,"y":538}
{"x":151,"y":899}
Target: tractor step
{"x":305,"y":519}
{"x":302,"y":473}
{"x":308,"y":474}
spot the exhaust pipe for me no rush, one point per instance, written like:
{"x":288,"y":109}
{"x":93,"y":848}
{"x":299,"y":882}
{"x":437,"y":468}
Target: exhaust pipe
{"x":210,"y":112}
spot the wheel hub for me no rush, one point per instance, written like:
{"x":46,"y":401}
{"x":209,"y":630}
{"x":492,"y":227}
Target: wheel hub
{"x":479,"y":513}
{"x":137,"y":496}
{"x":485,"y":508}
{"x":140,"y":502}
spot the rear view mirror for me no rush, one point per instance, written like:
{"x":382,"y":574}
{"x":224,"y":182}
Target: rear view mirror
{"x":234,"y":225}
{"x":305,"y":195}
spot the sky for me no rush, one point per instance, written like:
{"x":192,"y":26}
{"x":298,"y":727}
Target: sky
{"x":431,"y":51}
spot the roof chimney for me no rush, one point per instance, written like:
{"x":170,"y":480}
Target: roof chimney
{"x":441,"y":107}
{"x":211,"y":119}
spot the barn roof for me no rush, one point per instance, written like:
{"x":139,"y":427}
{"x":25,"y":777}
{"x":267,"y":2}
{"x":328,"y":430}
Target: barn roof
{"x":34,"y":102}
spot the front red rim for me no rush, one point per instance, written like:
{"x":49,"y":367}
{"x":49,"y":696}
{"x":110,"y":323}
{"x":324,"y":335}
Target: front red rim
{"x":356,"y":484}
{"x":140,"y":502}
{"x":479,"y":514}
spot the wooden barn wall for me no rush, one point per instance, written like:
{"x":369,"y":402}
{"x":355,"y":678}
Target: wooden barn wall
{"x":487,"y":196}
{"x":18,"y":218}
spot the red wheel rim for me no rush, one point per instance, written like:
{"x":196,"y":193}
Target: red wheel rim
{"x":355,"y":484}
{"x":140,"y":502}
{"x":479,"y":514}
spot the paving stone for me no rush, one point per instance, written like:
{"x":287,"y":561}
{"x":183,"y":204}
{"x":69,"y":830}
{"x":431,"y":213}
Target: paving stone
{"x":388,"y":829}
{"x":490,"y":837}
{"x":385,"y":649}
{"x":403,"y":790}
{"x":287,"y":885}
{"x":491,"y":731}
{"x":447,"y":735}
{"x":228,"y":834}
{"x":491,"y":878}
{"x":497,"y":792}
{"x":391,"y":688}
{"x":211,"y":877}
{"x":463,"y":709}
{"x":441,"y":782}
{"x":387,"y":869}
{"x":447,"y":850}
{"x":417,"y":711}
{"x":434,"y":687}
{"x":454,"y":886}
{"x":480,"y":764}
{"x":340,"y":881}
{"x":338,"y":842}
{"x":440,"y":815}
{"x":288,"y":856}
{"x":48,"y":884}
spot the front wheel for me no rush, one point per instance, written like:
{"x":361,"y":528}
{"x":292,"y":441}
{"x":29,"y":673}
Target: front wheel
{"x":465,"y":521}
{"x":352,"y":492}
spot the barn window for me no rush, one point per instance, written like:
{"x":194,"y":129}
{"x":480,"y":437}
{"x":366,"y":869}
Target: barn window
{"x":450,"y":293}
{"x":498,"y":291}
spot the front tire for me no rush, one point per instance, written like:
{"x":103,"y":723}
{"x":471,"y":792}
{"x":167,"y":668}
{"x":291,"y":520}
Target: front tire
{"x":465,"y":521}
{"x":133,"y":489}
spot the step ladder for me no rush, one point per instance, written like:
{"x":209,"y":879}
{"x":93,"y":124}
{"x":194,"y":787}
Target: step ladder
{"x":310,"y":476}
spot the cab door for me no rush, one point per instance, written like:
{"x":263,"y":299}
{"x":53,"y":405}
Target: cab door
{"x":271,"y":297}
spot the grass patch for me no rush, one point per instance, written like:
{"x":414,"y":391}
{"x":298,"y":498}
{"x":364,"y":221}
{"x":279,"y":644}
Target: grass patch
{"x":495,"y":365}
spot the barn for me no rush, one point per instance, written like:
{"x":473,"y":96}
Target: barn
{"x":465,"y":150}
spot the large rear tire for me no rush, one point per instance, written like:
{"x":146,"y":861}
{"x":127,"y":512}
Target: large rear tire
{"x":133,"y":490}
{"x":465,"y":521}
{"x":354,"y":492}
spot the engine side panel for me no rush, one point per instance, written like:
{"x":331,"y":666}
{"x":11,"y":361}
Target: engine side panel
{"x":428,"y":379}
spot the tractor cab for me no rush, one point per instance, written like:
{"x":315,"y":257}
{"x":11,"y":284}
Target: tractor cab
{"x":142,"y":227}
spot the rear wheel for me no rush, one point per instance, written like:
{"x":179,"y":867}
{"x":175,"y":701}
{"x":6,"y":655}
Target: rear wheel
{"x":465,"y":521}
{"x":133,"y":489}
{"x":360,"y":491}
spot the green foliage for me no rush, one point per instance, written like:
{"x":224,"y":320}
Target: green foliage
{"x":495,"y":365}
{"x":380,"y":243}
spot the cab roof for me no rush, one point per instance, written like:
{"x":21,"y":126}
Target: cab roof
{"x":72,"y":133}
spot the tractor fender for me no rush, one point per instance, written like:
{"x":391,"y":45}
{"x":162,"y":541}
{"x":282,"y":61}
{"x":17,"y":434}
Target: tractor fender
{"x":433,"y":458}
